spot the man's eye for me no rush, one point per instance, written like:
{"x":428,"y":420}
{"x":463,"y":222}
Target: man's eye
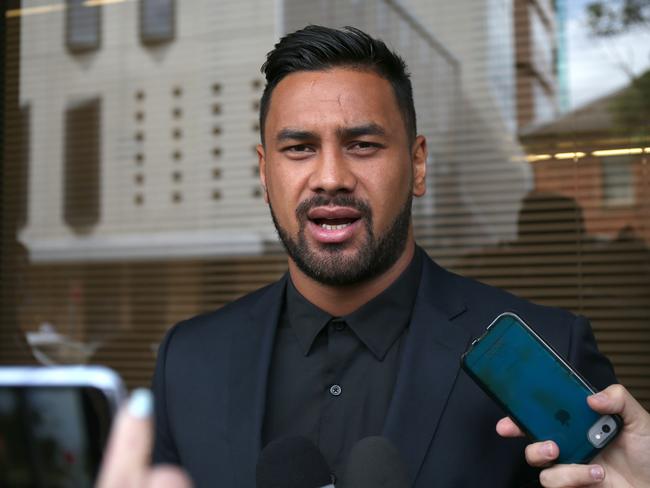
{"x":300,"y":148}
{"x":298,"y":151}
{"x":364,"y":146}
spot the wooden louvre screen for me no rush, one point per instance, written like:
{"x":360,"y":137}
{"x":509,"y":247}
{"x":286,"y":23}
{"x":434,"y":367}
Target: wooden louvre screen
{"x":157,"y":143}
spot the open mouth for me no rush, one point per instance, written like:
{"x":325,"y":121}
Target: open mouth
{"x":334,"y":224}
{"x":333,"y":218}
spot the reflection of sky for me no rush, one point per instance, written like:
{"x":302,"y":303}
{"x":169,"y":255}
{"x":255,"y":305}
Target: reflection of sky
{"x":61,"y":414}
{"x":595,"y":64}
{"x":57,"y":436}
{"x":7,"y":401}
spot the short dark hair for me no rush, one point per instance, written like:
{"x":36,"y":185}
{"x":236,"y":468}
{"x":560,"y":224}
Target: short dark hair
{"x":317,"y":48}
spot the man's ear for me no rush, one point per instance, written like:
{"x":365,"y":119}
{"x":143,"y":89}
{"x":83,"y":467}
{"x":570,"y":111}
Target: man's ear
{"x":261,"y":162}
{"x":419,"y":161}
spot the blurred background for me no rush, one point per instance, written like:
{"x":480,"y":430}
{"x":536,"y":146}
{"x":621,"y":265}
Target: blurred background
{"x":129,"y":185}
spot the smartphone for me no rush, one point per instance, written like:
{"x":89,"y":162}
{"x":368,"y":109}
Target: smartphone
{"x":540,"y":391}
{"x":54,"y":424}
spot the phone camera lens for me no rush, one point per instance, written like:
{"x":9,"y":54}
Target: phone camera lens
{"x":606,"y":428}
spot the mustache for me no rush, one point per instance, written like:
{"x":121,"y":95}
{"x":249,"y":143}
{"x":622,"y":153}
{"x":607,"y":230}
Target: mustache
{"x":337,"y":201}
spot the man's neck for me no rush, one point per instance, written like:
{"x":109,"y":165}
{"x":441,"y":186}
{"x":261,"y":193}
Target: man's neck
{"x":342,"y":300}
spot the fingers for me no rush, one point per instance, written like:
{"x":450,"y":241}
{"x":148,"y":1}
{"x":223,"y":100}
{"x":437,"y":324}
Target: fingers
{"x":538,"y":454}
{"x":507,"y":428}
{"x":541,"y":454}
{"x":571,"y":475}
{"x":616,"y":399}
{"x":168,"y":477}
{"x":126,"y":462}
{"x":126,"y":459}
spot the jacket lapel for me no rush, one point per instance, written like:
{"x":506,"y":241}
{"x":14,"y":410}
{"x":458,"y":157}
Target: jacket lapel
{"x":251,"y":348}
{"x":430,"y":365}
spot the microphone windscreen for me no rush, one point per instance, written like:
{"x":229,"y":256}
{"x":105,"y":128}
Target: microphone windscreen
{"x":292,"y":462}
{"x":374,"y":462}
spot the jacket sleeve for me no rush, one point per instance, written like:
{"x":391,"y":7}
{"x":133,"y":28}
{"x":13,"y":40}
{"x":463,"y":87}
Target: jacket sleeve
{"x":586,"y":358}
{"x":164,"y":449}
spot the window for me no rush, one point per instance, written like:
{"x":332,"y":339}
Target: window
{"x":617,"y":181}
{"x":21,"y":169}
{"x":82,"y":158}
{"x":157,"y":19}
{"x":83,"y":26}
{"x":143,"y":230}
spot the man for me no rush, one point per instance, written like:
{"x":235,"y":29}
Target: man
{"x":625,"y":464}
{"x":364,"y":334}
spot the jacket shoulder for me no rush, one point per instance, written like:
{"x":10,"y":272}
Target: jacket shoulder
{"x":494,"y":300}
{"x":219,"y":324}
{"x":569,"y":334}
{"x":476,"y":303}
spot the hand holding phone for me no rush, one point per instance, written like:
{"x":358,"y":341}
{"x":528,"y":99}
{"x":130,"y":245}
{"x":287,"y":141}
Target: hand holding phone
{"x":625,"y":464}
{"x":54,"y":423}
{"x":127,"y":461}
{"x":538,"y":389}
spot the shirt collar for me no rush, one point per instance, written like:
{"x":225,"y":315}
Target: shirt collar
{"x":378,"y":323}
{"x":305,"y":319}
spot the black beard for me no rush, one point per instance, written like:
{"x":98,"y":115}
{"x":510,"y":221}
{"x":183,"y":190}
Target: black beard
{"x":375,"y":256}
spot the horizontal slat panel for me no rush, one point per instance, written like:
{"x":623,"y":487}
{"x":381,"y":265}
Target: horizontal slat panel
{"x":174,"y":136}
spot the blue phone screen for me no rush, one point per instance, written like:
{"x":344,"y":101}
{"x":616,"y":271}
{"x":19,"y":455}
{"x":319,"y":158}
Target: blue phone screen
{"x":538,"y":390}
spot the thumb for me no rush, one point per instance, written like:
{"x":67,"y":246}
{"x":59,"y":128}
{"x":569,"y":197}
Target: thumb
{"x":615,"y":399}
{"x":126,"y":460}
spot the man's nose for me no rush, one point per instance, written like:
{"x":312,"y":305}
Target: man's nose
{"x":332,"y":174}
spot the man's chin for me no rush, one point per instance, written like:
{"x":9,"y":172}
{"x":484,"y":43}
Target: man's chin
{"x":333,"y":266}
{"x":343,"y":250}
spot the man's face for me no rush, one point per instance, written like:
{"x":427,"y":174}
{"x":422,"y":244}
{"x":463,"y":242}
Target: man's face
{"x":339,"y":173}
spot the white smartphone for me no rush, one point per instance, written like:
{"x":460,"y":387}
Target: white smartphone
{"x":54,"y":424}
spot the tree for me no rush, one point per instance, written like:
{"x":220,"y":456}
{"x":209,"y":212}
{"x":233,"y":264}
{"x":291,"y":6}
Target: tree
{"x":611,"y":18}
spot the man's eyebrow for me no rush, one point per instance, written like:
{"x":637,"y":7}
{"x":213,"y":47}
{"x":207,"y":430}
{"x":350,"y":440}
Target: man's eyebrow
{"x":295,"y":135}
{"x":369,"y":129}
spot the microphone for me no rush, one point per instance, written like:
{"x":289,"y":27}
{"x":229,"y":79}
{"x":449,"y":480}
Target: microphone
{"x":375,"y":463}
{"x":292,"y":462}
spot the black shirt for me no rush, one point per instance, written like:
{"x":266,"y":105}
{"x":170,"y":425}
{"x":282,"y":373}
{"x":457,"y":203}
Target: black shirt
{"x":331,"y":379}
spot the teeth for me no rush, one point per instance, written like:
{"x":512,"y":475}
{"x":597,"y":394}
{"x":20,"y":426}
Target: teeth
{"x":334,"y":227}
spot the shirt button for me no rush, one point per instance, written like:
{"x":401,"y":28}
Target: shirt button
{"x":335,"y":390}
{"x":339,"y":326}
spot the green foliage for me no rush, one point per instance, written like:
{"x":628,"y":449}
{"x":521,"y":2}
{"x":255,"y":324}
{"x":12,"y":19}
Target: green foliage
{"x":609,"y":18}
{"x":631,"y":109}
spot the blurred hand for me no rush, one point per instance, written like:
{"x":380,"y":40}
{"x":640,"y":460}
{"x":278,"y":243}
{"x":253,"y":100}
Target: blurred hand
{"x":623,"y":463}
{"x":127,"y":460}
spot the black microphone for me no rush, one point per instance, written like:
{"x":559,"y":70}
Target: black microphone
{"x":374,"y":463}
{"x":292,"y":462}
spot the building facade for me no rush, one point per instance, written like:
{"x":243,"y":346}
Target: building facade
{"x":142,"y":203}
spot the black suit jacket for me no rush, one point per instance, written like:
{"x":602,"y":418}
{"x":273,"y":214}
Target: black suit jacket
{"x":211,"y":377}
